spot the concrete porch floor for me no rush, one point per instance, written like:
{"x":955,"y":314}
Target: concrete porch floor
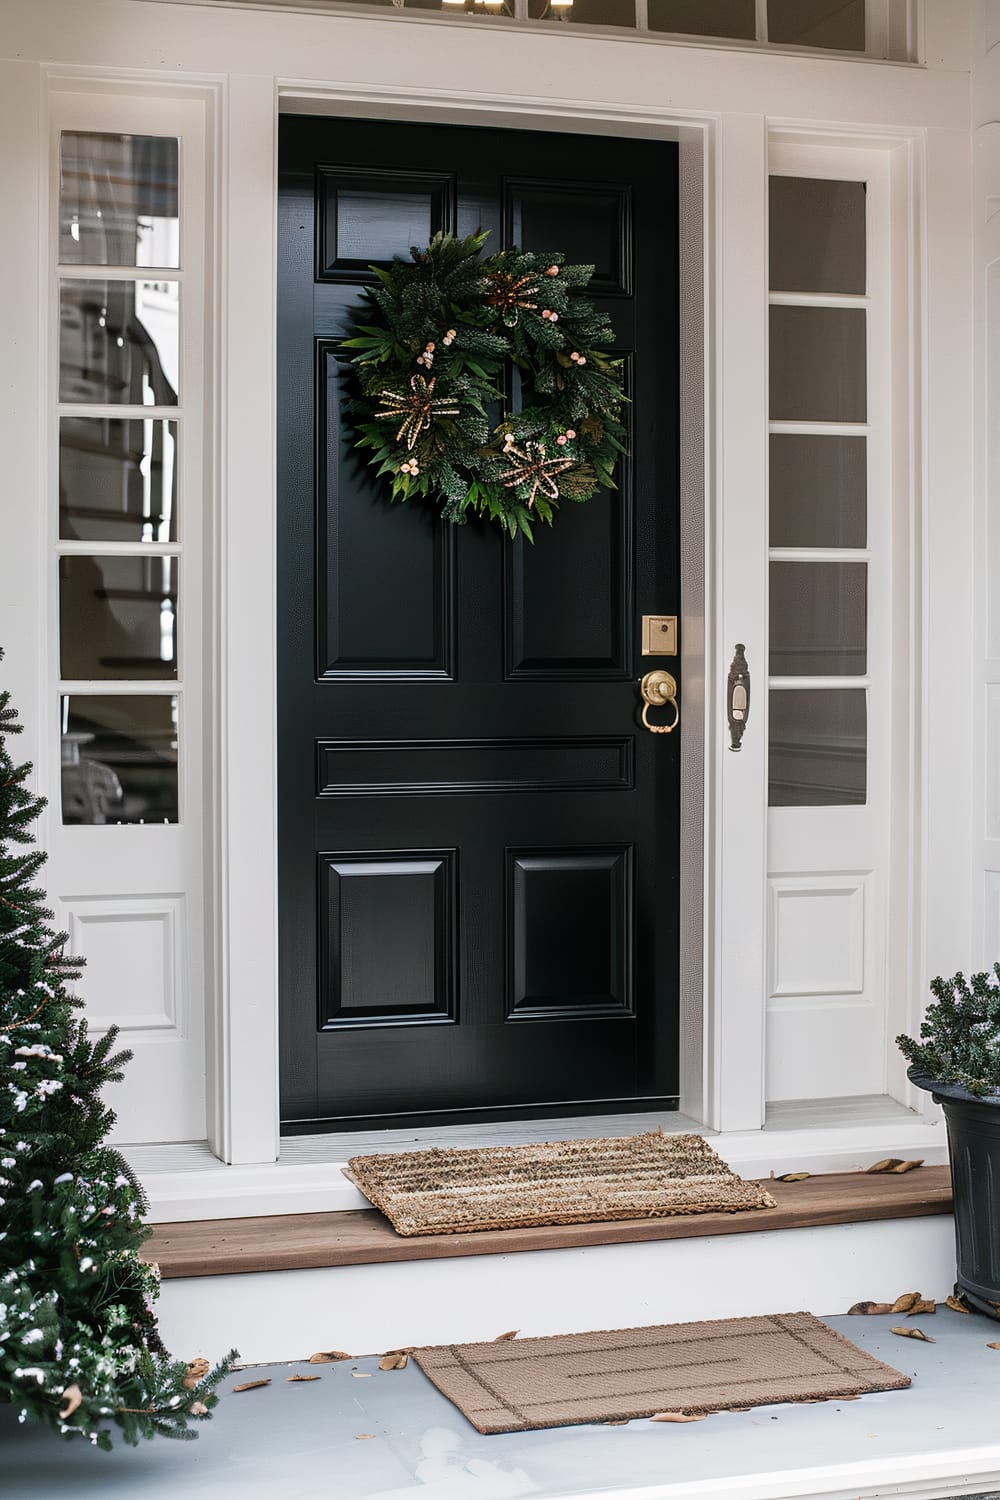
{"x":940,"y":1438}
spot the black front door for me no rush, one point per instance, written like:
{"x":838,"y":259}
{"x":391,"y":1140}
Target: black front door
{"x":478,"y":840}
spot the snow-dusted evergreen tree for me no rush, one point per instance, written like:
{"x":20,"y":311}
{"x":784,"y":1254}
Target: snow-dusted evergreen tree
{"x":960,"y":1034}
{"x":79,"y":1347}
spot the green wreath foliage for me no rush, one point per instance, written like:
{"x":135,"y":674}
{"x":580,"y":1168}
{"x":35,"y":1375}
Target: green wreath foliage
{"x":436,"y":416}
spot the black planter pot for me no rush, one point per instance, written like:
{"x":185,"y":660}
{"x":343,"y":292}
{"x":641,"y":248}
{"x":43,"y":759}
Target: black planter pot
{"x":974,"y":1149}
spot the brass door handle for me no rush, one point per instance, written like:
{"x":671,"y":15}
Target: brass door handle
{"x":659,"y":690}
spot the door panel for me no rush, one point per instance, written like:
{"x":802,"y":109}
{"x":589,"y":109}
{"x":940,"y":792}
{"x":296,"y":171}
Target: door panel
{"x":478,"y":841}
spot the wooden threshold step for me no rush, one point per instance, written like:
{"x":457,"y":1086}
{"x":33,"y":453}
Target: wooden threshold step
{"x":294,"y":1242}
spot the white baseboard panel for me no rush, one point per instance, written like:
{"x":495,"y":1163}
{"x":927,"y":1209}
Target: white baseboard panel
{"x":189,"y":1183}
{"x":283,"y":1315}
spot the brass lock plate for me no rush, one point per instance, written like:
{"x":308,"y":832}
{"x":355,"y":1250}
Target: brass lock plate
{"x":659,"y":635}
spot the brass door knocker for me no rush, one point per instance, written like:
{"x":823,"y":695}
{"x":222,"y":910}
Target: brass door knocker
{"x":659,"y":690}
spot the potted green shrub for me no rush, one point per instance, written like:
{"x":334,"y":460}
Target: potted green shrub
{"x":957,"y":1059}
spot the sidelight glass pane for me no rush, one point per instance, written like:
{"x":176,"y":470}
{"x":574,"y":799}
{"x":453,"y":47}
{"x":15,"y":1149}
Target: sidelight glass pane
{"x":818,"y":490}
{"x":838,"y":24}
{"x":119,"y":342}
{"x":117,"y":479}
{"x":119,"y":759}
{"x":818,"y":619}
{"x":817,"y":235}
{"x":118,"y":200}
{"x":818,"y":364}
{"x":730,"y":18}
{"x":117,"y":617}
{"x":588,"y":12}
{"x":817,"y":747}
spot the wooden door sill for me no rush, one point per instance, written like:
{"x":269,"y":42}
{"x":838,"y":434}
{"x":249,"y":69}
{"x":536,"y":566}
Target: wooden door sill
{"x":295,"y":1242}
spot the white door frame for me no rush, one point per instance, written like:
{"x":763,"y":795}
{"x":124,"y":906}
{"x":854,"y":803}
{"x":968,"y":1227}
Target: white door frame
{"x":722,"y":916}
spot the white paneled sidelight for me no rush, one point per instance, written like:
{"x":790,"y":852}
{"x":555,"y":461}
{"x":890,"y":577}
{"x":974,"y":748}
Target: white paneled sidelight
{"x":831,"y":627}
{"x":128,"y":399}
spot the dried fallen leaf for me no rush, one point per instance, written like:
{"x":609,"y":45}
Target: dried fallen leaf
{"x":914,"y":1333}
{"x":394,"y":1361}
{"x":907,"y":1301}
{"x":908,"y":1166}
{"x":251,"y":1385}
{"x":887,"y":1164}
{"x":923,"y":1306}
{"x":956,"y":1303}
{"x":870,"y":1308}
{"x":794,"y":1176}
{"x":361,"y":1374}
{"x":618,"y":1422}
{"x":502,"y":1338}
{"x":328,"y":1357}
{"x":196,"y":1372}
{"x":359,"y":1437}
{"x":293,"y":1379}
{"x":678,"y":1416}
{"x":72,"y":1397}
{"x":989,"y":1346}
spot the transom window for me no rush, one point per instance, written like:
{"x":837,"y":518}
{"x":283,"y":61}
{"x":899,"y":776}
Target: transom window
{"x":878,"y":28}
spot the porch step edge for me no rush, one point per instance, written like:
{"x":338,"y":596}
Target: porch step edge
{"x":312,"y":1241}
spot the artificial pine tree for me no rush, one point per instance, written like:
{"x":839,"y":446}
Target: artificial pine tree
{"x":79,"y":1346}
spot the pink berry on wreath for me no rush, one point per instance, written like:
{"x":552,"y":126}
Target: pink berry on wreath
{"x":430,"y":348}
{"x":570,"y":433}
{"x":553,"y":317}
{"x":581,"y":360}
{"x":561,"y":439}
{"x":552,"y":271}
{"x":546,"y":312}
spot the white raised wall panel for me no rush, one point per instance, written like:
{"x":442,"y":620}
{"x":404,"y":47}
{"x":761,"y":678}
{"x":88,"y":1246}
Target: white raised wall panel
{"x":816,"y":936}
{"x":135,"y":961}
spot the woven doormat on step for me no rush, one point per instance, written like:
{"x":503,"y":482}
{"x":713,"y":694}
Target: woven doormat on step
{"x":551,"y":1182}
{"x":637,"y":1372}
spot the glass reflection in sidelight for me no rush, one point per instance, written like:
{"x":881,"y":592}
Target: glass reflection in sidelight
{"x":118,"y":202}
{"x":818,"y":619}
{"x":817,"y":747}
{"x":817,"y":236}
{"x":818,"y":366}
{"x":118,"y":479}
{"x":119,"y":758}
{"x":119,"y":342}
{"x":117,"y":617}
{"x":818,"y":484}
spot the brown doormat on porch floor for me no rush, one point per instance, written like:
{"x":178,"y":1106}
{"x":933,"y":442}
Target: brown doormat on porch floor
{"x":552,"y":1182}
{"x":638,"y":1372}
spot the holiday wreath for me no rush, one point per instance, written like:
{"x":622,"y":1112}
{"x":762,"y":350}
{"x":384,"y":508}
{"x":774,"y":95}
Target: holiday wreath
{"x":437,"y":414}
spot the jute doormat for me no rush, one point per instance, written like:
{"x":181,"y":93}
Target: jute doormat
{"x":552,"y":1182}
{"x":637,"y":1372}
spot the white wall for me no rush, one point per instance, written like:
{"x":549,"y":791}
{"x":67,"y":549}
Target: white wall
{"x":411,"y":67}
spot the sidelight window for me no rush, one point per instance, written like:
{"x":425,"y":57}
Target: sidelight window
{"x":121,"y":420}
{"x":819,"y":549}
